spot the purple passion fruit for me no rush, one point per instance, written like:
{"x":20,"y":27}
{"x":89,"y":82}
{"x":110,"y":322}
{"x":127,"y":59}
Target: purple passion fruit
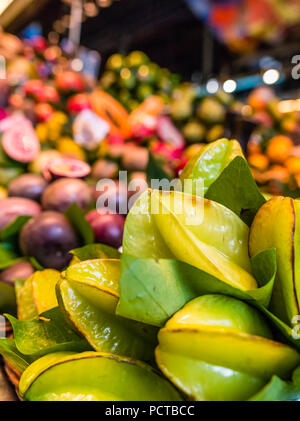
{"x":30,"y":186}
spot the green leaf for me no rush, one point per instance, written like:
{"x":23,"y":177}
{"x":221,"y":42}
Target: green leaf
{"x":7,"y":255}
{"x":77,"y":218}
{"x":152,"y":290}
{"x":96,"y":251}
{"x":45,"y":334}
{"x":280,"y":390}
{"x":9,"y":351}
{"x":36,"y":264}
{"x":154,"y":170}
{"x":236,"y":189}
{"x":7,"y":298}
{"x":14,"y":228}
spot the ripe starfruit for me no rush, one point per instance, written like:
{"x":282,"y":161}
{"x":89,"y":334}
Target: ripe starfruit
{"x":206,"y":166}
{"x":277,"y":224}
{"x":219,"y":348}
{"x":194,"y":230}
{"x":93,"y":376}
{"x":88,"y":295}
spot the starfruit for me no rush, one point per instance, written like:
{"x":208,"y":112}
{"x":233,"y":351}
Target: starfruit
{"x":206,"y":166}
{"x":88,"y":295}
{"x":93,"y":376}
{"x":202,"y":233}
{"x":219,"y":348}
{"x":37,"y":295}
{"x":277,"y":224}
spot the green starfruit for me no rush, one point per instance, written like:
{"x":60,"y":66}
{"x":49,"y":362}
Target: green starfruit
{"x":88,"y":295}
{"x":219,"y":348}
{"x":206,"y":166}
{"x":194,"y":230}
{"x":37,"y":295}
{"x":277,"y":224}
{"x":93,"y":376}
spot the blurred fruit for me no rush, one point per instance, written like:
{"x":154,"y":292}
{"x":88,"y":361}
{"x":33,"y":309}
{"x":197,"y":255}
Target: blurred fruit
{"x":68,"y":147}
{"x":211,"y":111}
{"x":66,"y":167}
{"x":113,"y":197}
{"x":43,"y":111}
{"x":48,"y":238}
{"x":137,"y":59}
{"x":135,"y":158}
{"x":108,"y":228}
{"x":18,"y":271}
{"x":104,"y":169}
{"x":215,"y":132}
{"x":279,"y":148}
{"x":277,"y":172}
{"x":260,"y":97}
{"x":78,"y":102}
{"x":168,"y":133}
{"x":60,"y":194}
{"x":115,"y":62}
{"x":3,"y":192}
{"x":12,"y":207}
{"x":293,"y":165}
{"x":21,"y":143}
{"x":68,"y":81}
{"x":30,"y":186}
{"x":192,"y":150}
{"x":8,"y":174}
{"x":42,"y":160}
{"x":259,"y":161}
{"x":193,"y":131}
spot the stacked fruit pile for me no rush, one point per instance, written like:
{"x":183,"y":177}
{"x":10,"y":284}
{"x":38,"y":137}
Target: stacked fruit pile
{"x":183,"y":312}
{"x":272,"y":153}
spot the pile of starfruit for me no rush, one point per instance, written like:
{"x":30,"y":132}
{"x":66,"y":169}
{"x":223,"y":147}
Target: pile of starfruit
{"x":202,"y":304}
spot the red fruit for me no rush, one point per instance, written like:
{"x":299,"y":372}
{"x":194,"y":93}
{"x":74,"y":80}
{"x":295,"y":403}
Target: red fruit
{"x":108,"y":228}
{"x":168,"y":133}
{"x":49,"y":94}
{"x":12,"y":207}
{"x":43,"y":111}
{"x":21,"y":143}
{"x":34,"y":87}
{"x":78,"y":102}
{"x":69,"y":82}
{"x":115,"y":140}
{"x":66,"y":167}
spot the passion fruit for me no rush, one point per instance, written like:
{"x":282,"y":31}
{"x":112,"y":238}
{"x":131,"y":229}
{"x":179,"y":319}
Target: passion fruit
{"x":48,"y":238}
{"x":108,"y":228}
{"x":104,"y":169}
{"x":29,"y":186}
{"x":62,"y":193}
{"x":20,"y":270}
{"x":66,"y":167}
{"x":42,"y":160}
{"x":12,"y":207}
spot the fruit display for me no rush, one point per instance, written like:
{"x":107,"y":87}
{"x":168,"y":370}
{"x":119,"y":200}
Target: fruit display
{"x":182,"y":313}
{"x":273,"y":153}
{"x":133,"y":78}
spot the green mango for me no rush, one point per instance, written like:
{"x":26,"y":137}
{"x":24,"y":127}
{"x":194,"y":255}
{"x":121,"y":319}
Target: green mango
{"x":194,"y":230}
{"x":277,"y":224}
{"x":206,"y":166}
{"x":88,"y":296}
{"x":37,"y":294}
{"x":93,"y":376}
{"x":232,"y":355}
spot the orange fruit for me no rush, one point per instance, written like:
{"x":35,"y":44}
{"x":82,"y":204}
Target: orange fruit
{"x":293,"y":165}
{"x":279,"y":148}
{"x":279,"y":173}
{"x":259,"y":161}
{"x":253,"y":148}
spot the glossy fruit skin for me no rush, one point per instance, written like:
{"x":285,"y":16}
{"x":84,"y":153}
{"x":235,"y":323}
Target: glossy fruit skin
{"x":29,"y":186}
{"x":20,"y":270}
{"x":108,"y":228}
{"x":233,"y":354}
{"x":60,"y":195}
{"x":12,"y":207}
{"x":49,"y":237}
